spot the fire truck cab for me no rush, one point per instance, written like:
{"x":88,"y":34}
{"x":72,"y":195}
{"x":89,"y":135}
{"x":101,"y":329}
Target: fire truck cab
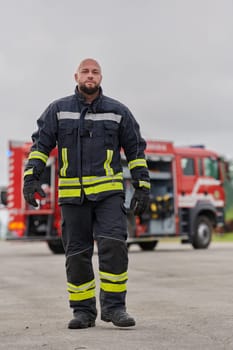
{"x":187,"y":198}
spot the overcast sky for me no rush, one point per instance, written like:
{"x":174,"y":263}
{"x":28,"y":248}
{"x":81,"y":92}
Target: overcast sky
{"x":169,"y":61}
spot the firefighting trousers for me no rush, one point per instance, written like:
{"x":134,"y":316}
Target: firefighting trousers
{"x":104,"y":222}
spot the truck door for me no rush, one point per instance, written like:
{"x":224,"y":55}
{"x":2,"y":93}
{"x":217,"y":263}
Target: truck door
{"x":213,"y":184}
{"x":187,"y":175}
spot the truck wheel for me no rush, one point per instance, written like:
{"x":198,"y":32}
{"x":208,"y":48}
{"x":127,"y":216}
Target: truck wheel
{"x":56,"y":246}
{"x":203,"y":233}
{"x":147,"y":246}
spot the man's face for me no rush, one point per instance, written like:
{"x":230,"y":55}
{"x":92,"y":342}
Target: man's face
{"x":88,"y":76}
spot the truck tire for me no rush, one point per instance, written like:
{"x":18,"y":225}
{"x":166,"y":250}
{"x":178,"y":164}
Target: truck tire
{"x":147,"y":246}
{"x":203,"y":233}
{"x":56,"y":246}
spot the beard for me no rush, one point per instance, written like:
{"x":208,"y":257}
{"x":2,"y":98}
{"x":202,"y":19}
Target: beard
{"x":88,"y":90}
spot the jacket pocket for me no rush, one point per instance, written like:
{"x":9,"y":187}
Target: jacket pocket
{"x":67,"y":132}
{"x":66,"y":137}
{"x":111,"y":134}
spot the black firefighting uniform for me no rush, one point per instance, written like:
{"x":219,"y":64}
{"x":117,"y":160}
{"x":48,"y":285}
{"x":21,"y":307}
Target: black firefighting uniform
{"x":90,"y":190}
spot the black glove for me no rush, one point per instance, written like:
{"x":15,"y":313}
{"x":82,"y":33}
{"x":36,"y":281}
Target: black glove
{"x":31,"y":187}
{"x":140,"y":201}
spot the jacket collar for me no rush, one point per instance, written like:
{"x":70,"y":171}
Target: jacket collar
{"x":82,"y":101}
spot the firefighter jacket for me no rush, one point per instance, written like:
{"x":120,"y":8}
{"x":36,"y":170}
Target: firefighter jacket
{"x":90,"y":138}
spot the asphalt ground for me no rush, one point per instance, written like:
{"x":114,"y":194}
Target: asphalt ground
{"x":181,"y":299}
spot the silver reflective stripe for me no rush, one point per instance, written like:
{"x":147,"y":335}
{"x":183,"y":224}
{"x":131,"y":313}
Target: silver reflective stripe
{"x":68,"y":115}
{"x":104,"y":116}
{"x":112,"y":277}
{"x":89,"y":180}
{"x":96,"y":117}
{"x":83,"y":287}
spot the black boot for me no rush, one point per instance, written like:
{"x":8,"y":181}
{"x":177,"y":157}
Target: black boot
{"x":81,"y":320}
{"x":119,"y":318}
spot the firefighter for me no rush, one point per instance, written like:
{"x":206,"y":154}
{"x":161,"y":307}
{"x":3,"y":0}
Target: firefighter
{"x":90,"y":129}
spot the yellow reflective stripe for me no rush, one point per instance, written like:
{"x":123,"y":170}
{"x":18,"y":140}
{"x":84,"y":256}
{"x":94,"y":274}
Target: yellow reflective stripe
{"x":113,"y":277}
{"x":95,"y":185}
{"x":137,"y":162}
{"x":82,"y":287}
{"x":76,"y":192}
{"x":82,"y":295}
{"x":107,"y":167}
{"x":65,"y":161}
{"x":28,"y":172}
{"x":71,"y":181}
{"x":144,"y":184}
{"x":111,"y":186}
{"x":110,"y":287}
{"x":88,"y":180}
{"x":92,"y":181}
{"x":62,"y":193}
{"x":38,"y":155}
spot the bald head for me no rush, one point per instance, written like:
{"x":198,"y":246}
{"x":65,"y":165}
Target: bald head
{"x":88,"y":62}
{"x":88,"y":77}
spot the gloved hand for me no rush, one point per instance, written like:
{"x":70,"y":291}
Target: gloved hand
{"x":31,"y":187}
{"x":139,"y":201}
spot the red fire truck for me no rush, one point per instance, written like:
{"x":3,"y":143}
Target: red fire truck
{"x":187,"y":198}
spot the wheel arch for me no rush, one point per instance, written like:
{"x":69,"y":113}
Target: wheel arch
{"x":202,"y":209}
